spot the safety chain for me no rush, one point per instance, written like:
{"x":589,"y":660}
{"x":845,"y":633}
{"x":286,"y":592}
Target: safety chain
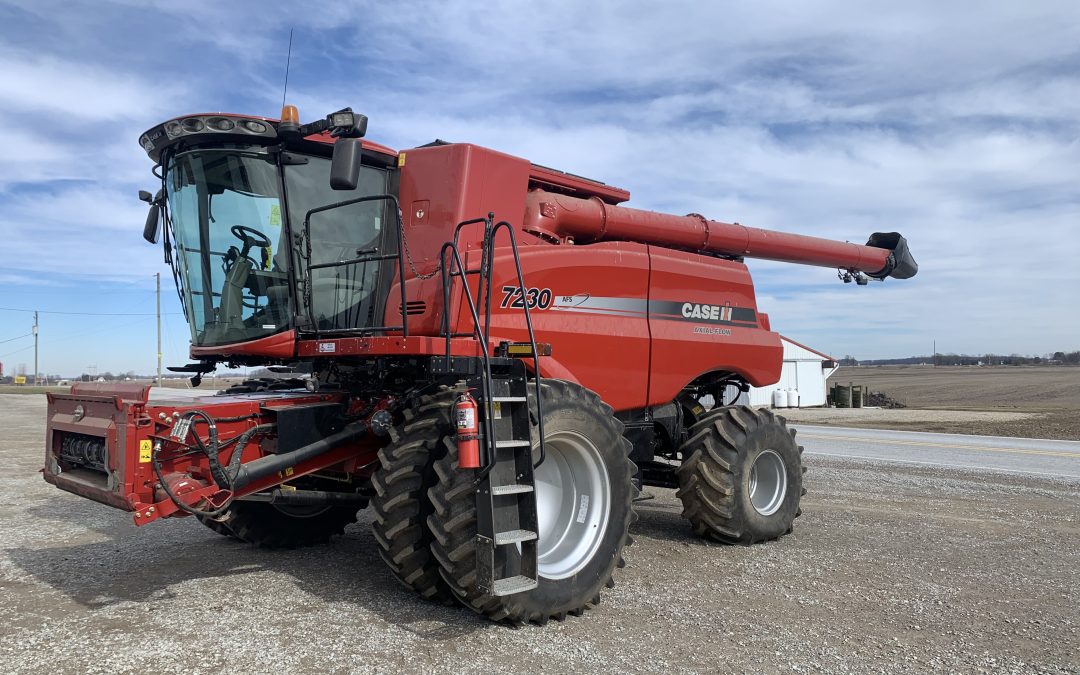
{"x":408,"y":255}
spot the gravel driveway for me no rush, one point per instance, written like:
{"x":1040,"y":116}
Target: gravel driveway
{"x":891,"y":569}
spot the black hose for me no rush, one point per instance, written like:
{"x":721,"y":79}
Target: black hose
{"x":240,"y":475}
{"x":155,"y":464}
{"x":241,"y":441}
{"x":224,"y":479}
{"x":316,"y":498}
{"x":271,"y":464}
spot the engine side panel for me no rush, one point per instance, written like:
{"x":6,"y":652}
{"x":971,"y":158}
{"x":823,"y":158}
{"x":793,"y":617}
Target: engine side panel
{"x":703,"y":317}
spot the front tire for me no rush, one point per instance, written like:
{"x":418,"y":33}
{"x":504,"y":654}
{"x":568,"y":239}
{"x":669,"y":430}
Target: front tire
{"x":587,"y":453}
{"x":217,"y":526}
{"x":271,"y":526}
{"x":401,"y":505}
{"x":741,"y":477}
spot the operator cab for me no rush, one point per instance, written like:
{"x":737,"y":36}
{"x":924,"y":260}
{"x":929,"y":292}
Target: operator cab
{"x":250,"y":256}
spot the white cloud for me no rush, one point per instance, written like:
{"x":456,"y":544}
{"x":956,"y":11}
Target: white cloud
{"x":46,"y":89}
{"x":958,"y":128}
{"x":77,"y":230}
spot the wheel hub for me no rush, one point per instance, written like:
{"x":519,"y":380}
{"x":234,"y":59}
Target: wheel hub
{"x":768,"y":482}
{"x":573,"y":498}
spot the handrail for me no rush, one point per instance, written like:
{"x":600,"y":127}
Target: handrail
{"x":400,"y":256}
{"x":528,"y":323}
{"x":487,"y":264}
{"x":486,"y":384}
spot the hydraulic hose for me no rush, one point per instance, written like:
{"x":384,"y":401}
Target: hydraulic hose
{"x":271,"y":464}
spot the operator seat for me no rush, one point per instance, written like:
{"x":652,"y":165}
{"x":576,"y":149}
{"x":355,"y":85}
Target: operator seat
{"x":343,"y":297}
{"x":229,"y":325}
{"x":277,"y":296}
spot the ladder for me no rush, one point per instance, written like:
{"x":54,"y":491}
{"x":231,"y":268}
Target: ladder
{"x":506,"y":514}
{"x":506,"y":540}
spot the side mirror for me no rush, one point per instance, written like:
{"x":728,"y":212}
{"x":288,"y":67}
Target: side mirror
{"x":345,"y":165}
{"x":150,"y":230}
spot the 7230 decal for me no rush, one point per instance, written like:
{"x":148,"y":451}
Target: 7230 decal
{"x":536,"y":298}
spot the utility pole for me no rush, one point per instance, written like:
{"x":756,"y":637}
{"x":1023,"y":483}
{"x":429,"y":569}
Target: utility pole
{"x":935,"y":353}
{"x":158,"y":277}
{"x":35,"y":348}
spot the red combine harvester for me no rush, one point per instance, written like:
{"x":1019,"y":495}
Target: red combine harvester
{"x":493,"y":354}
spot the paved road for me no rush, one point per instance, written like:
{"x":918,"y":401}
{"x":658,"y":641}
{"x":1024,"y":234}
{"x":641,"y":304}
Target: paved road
{"x":991,"y":453}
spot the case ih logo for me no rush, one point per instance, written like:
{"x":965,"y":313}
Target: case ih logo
{"x":692,"y":310}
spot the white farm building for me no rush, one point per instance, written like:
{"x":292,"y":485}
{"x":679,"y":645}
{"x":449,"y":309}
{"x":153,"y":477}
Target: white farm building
{"x":805,"y":370}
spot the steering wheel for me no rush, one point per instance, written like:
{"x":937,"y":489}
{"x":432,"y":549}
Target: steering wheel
{"x":251,"y":237}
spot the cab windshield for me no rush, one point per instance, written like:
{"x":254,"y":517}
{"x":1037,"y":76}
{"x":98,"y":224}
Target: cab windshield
{"x":226,"y":214}
{"x":233,"y":256}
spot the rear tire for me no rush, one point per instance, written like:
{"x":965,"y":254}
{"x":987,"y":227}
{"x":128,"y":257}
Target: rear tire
{"x":401,"y":505}
{"x":586,"y":447}
{"x":741,"y":477}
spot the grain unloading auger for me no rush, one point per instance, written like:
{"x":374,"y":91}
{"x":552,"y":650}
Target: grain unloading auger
{"x":492,"y":355}
{"x":584,"y":221}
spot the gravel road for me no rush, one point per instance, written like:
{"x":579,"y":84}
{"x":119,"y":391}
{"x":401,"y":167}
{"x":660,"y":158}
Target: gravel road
{"x":891,"y":568}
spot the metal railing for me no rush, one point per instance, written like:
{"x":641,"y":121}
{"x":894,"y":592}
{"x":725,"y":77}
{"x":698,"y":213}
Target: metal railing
{"x":483,"y":333}
{"x":371,"y":255}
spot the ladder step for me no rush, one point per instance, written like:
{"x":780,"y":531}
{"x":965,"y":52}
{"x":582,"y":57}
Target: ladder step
{"x":509,"y":399}
{"x":513,"y":537}
{"x":513,"y":444}
{"x":511,"y":585}
{"x":510,"y":489}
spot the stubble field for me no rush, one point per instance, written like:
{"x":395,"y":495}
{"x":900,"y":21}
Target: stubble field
{"x":1029,"y":402}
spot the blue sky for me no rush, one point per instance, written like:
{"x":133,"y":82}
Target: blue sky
{"x":959,"y":128}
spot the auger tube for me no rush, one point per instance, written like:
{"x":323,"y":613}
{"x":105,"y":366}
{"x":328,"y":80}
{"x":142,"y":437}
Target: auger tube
{"x":556,"y":216}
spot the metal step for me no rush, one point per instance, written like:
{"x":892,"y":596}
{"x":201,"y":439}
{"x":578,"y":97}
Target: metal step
{"x":513,"y":537}
{"x":510,"y":489}
{"x":513,"y":444}
{"x":507,"y":522}
{"x":511,"y":585}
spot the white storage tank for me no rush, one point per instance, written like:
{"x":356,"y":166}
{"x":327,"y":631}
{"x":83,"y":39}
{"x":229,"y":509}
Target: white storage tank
{"x":793,"y":398}
{"x":780,"y":398}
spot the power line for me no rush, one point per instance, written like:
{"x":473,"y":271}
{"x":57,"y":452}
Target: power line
{"x":17,"y":351}
{"x":69,"y":290}
{"x":80,"y":335}
{"x":114,"y":278}
{"x":15,"y":338}
{"x":45,"y":311}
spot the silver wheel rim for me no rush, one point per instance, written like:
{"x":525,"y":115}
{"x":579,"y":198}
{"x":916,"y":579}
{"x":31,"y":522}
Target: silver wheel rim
{"x":768,"y":482}
{"x":573,"y":496}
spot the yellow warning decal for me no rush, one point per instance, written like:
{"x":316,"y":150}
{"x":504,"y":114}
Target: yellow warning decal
{"x":144,"y":451}
{"x":275,"y":215}
{"x":401,"y":159}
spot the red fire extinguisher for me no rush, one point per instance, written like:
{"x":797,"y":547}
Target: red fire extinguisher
{"x":468,"y":432}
